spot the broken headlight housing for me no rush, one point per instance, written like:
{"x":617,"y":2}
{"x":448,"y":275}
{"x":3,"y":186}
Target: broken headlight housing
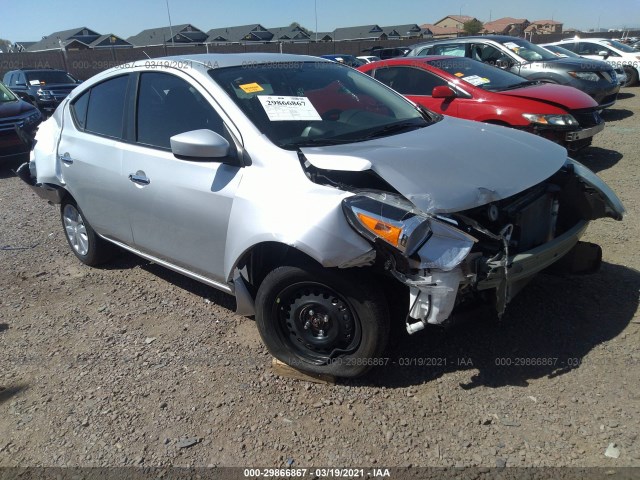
{"x":380,"y":216}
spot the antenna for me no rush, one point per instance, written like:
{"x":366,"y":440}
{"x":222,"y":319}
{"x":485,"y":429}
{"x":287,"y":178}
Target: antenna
{"x":170,"y":26}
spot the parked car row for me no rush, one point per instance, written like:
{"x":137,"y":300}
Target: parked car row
{"x":44,"y":88}
{"x":331,"y":206}
{"x":18,"y":123}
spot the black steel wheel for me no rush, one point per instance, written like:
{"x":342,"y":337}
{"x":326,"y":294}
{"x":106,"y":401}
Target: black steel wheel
{"x":322,"y":320}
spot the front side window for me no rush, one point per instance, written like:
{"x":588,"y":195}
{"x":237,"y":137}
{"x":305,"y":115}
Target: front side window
{"x":79,"y":109}
{"x":105,"y":111}
{"x":167,"y":106}
{"x":6,"y":95}
{"x":409,"y":80}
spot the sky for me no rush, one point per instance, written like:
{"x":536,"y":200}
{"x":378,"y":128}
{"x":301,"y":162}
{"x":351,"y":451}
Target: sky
{"x":30,"y":20}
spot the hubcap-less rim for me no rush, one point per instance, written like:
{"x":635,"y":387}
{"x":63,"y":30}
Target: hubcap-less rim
{"x":76,"y":230}
{"x":316,"y":322}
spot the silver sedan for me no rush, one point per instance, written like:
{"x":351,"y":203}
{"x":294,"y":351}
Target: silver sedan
{"x":313,"y":193}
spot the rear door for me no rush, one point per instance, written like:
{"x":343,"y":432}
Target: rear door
{"x":90,"y":156}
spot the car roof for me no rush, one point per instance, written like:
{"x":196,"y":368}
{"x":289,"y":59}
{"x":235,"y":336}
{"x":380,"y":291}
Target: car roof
{"x":236,"y":59}
{"x":495,"y":38}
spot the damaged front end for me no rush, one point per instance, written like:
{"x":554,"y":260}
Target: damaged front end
{"x":490,"y":251}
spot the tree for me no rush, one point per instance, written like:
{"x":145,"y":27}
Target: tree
{"x":5,"y":45}
{"x":296,"y":24}
{"x":472,"y":27}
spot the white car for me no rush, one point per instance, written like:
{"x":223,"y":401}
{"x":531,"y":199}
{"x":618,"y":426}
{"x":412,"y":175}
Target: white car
{"x":562,"y":52}
{"x":614,"y":53}
{"x":369,"y":58}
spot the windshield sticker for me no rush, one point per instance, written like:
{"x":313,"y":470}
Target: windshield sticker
{"x":459,"y":74}
{"x":251,"y":88}
{"x":282,"y":109}
{"x":34,"y":82}
{"x":476,"y":80}
{"x":511,"y":46}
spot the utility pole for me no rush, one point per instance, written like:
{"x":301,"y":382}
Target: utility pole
{"x":170,"y":26}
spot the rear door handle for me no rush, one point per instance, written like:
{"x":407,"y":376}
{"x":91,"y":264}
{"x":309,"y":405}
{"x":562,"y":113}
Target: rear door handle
{"x":139,"y":179}
{"x":66,"y":158}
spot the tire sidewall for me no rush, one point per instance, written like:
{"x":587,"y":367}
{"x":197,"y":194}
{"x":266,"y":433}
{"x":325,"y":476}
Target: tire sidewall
{"x":367,"y":303}
{"x":91,"y":257}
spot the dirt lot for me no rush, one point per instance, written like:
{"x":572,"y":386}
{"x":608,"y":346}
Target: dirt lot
{"x":119,"y":365}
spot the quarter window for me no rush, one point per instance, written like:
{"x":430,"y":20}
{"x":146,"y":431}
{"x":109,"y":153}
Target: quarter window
{"x":167,"y":106}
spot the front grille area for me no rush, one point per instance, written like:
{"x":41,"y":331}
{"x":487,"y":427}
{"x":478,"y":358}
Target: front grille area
{"x":9,"y":124}
{"x":587,"y":118}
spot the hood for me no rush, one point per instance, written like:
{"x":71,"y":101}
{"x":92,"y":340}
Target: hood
{"x":567,"y":97}
{"x":15,"y":108}
{"x":450,"y":166}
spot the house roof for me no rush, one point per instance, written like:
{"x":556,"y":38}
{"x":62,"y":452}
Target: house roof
{"x":255,"y":31}
{"x":501,"y":24}
{"x":159,"y":36}
{"x":437,"y":31}
{"x":546,"y":22}
{"x":50,"y":42}
{"x":457,"y":18}
{"x":358,"y":32}
{"x":24,"y":45}
{"x":402,"y":30}
{"x":289,"y":33}
{"x":102,"y":38}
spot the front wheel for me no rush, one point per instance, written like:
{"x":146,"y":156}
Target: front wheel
{"x":322,"y":320}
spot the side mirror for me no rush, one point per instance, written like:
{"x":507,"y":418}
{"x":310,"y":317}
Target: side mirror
{"x":504,"y":62}
{"x":199,"y":145}
{"x":603,"y":53}
{"x":443,"y":91}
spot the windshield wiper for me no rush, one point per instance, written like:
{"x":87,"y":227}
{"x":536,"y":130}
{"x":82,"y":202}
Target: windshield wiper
{"x":520,"y":85}
{"x":316,"y":142}
{"x":393,"y":128}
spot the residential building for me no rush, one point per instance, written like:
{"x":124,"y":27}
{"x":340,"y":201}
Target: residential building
{"x":172,"y":35}
{"x":362,"y":32}
{"x":72,"y":39}
{"x":506,"y":26}
{"x":543,"y":27}
{"x":240,"y":34}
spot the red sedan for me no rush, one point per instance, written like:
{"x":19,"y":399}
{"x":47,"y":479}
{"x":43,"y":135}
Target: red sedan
{"x":465,"y":88}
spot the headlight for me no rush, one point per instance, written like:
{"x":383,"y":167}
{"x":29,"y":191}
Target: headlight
{"x":551,"y":120}
{"x":392,"y":219}
{"x":44,"y":93}
{"x":589,"y":76}
{"x":32,"y":118}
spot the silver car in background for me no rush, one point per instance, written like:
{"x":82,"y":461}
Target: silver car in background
{"x":313,"y":193}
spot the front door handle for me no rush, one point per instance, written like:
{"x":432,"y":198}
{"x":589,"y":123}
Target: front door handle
{"x":66,"y":158}
{"x":139,"y":178}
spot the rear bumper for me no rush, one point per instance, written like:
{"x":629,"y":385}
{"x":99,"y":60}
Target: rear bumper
{"x":49,"y":192}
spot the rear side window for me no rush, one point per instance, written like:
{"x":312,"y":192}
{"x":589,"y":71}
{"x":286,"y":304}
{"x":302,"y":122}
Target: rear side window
{"x":409,"y":80}
{"x":105,"y":111}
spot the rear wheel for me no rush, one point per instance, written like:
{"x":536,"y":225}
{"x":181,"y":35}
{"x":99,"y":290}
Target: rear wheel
{"x":83,"y":240}
{"x":322,"y":320}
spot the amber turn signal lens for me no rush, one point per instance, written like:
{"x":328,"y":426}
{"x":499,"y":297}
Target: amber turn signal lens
{"x":388,"y":232}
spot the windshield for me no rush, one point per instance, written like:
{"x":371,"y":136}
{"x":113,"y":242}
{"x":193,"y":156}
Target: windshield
{"x":528,"y":51}
{"x":317,"y":103}
{"x":620,"y":46}
{"x":45,"y":77}
{"x":6,"y":95}
{"x":479,"y":74}
{"x":561,"y":51}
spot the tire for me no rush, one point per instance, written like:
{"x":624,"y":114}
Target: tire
{"x":85,"y":244}
{"x":323,"y":321}
{"x":632,"y":76}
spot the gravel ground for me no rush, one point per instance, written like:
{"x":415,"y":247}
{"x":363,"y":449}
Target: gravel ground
{"x":134,"y":365}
